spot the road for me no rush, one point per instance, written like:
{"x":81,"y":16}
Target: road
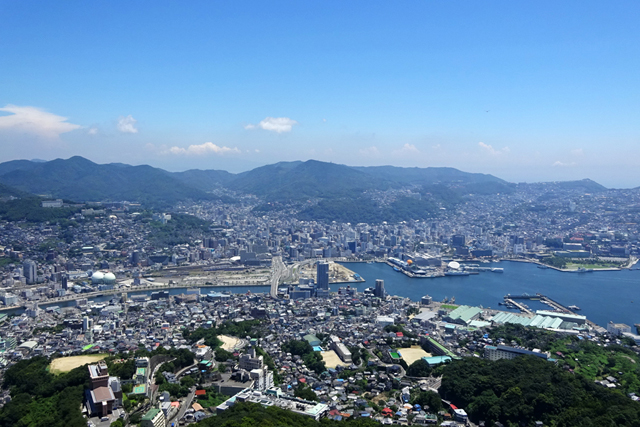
{"x":278,"y":271}
{"x":152,"y":382}
{"x":183,"y":408}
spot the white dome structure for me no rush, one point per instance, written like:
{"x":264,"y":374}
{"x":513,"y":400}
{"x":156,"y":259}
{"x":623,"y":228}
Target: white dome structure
{"x":454,"y":265}
{"x":109,"y":279}
{"x":97,"y":277}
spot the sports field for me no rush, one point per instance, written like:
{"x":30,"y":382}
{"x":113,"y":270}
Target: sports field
{"x":65,"y":364}
{"x":229,"y":343}
{"x":412,"y":354}
{"x":331,"y":359}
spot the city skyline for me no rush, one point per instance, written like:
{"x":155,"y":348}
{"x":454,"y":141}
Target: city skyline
{"x":523,"y":92}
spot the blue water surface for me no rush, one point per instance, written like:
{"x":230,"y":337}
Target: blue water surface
{"x":602,"y":296}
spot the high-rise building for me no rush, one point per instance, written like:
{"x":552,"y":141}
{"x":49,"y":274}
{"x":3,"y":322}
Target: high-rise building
{"x":458,"y":240}
{"x":379,"y":290}
{"x":322,"y":279}
{"x":29,"y":269}
{"x":87,"y":323}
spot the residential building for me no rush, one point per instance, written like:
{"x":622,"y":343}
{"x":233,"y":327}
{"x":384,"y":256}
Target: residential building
{"x":153,"y":418}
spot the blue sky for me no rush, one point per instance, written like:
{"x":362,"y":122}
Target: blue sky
{"x":527,"y":91}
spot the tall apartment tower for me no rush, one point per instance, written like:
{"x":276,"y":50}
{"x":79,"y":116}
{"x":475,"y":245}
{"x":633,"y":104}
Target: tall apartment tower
{"x":29,"y":269}
{"x":322,"y":271}
{"x":379,"y":290}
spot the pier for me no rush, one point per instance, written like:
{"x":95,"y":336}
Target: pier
{"x":519,"y":306}
{"x":556,"y":306}
{"x":510,"y":299}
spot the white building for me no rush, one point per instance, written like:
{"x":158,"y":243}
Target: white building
{"x":249,"y":361}
{"x":262,"y":378}
{"x":618,"y":328}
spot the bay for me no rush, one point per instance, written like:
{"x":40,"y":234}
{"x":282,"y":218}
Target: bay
{"x":602,"y":296}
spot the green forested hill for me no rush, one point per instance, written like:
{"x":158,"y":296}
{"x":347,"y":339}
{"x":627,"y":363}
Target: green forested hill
{"x":41,"y":399}
{"x":6,"y":191}
{"x":82,"y":180}
{"x":253,"y":414}
{"x":30,"y":209}
{"x":528,"y":389}
{"x":303,"y":180}
{"x":429,"y":175}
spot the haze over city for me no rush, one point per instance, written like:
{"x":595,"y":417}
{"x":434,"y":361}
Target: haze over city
{"x":526,"y":92}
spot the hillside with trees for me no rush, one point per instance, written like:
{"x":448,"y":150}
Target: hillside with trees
{"x":39,"y":398}
{"x":528,"y":389}
{"x":253,"y":414}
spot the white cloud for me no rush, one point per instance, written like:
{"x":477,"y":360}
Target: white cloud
{"x":202,"y":149}
{"x":578,"y":152}
{"x":370,"y":151}
{"x":93,"y":131}
{"x":127,"y":124}
{"x":274,"y":124}
{"x":36,"y":121}
{"x":494,"y":152}
{"x":562,"y":164}
{"x":407,"y":149}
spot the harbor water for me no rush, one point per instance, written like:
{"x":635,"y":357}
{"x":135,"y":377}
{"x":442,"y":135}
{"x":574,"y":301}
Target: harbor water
{"x":602,"y":296}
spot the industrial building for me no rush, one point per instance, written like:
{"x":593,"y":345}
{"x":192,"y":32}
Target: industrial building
{"x":274,"y":397}
{"x":493,"y":353}
{"x":463,"y":315}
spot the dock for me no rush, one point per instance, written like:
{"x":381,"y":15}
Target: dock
{"x":537,"y":297}
{"x":519,"y":306}
{"x":510,"y":299}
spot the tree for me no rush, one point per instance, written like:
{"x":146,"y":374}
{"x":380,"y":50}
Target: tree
{"x":428,"y":399}
{"x":188,"y":381}
{"x":419,"y":368}
{"x":297,"y":347}
{"x":303,"y":391}
{"x":528,"y":389}
{"x":223,"y":355}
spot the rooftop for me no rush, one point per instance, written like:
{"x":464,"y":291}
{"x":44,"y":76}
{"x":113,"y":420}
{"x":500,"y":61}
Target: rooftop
{"x":151,"y":414}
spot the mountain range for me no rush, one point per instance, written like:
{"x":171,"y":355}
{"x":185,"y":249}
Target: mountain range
{"x":80,"y":179}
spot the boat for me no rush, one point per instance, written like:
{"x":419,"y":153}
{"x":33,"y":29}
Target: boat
{"x":584,"y":270}
{"x":396,"y":269}
{"x":497,"y":270}
{"x":542,"y":266}
{"x":574,"y":307}
{"x":456,"y":273}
